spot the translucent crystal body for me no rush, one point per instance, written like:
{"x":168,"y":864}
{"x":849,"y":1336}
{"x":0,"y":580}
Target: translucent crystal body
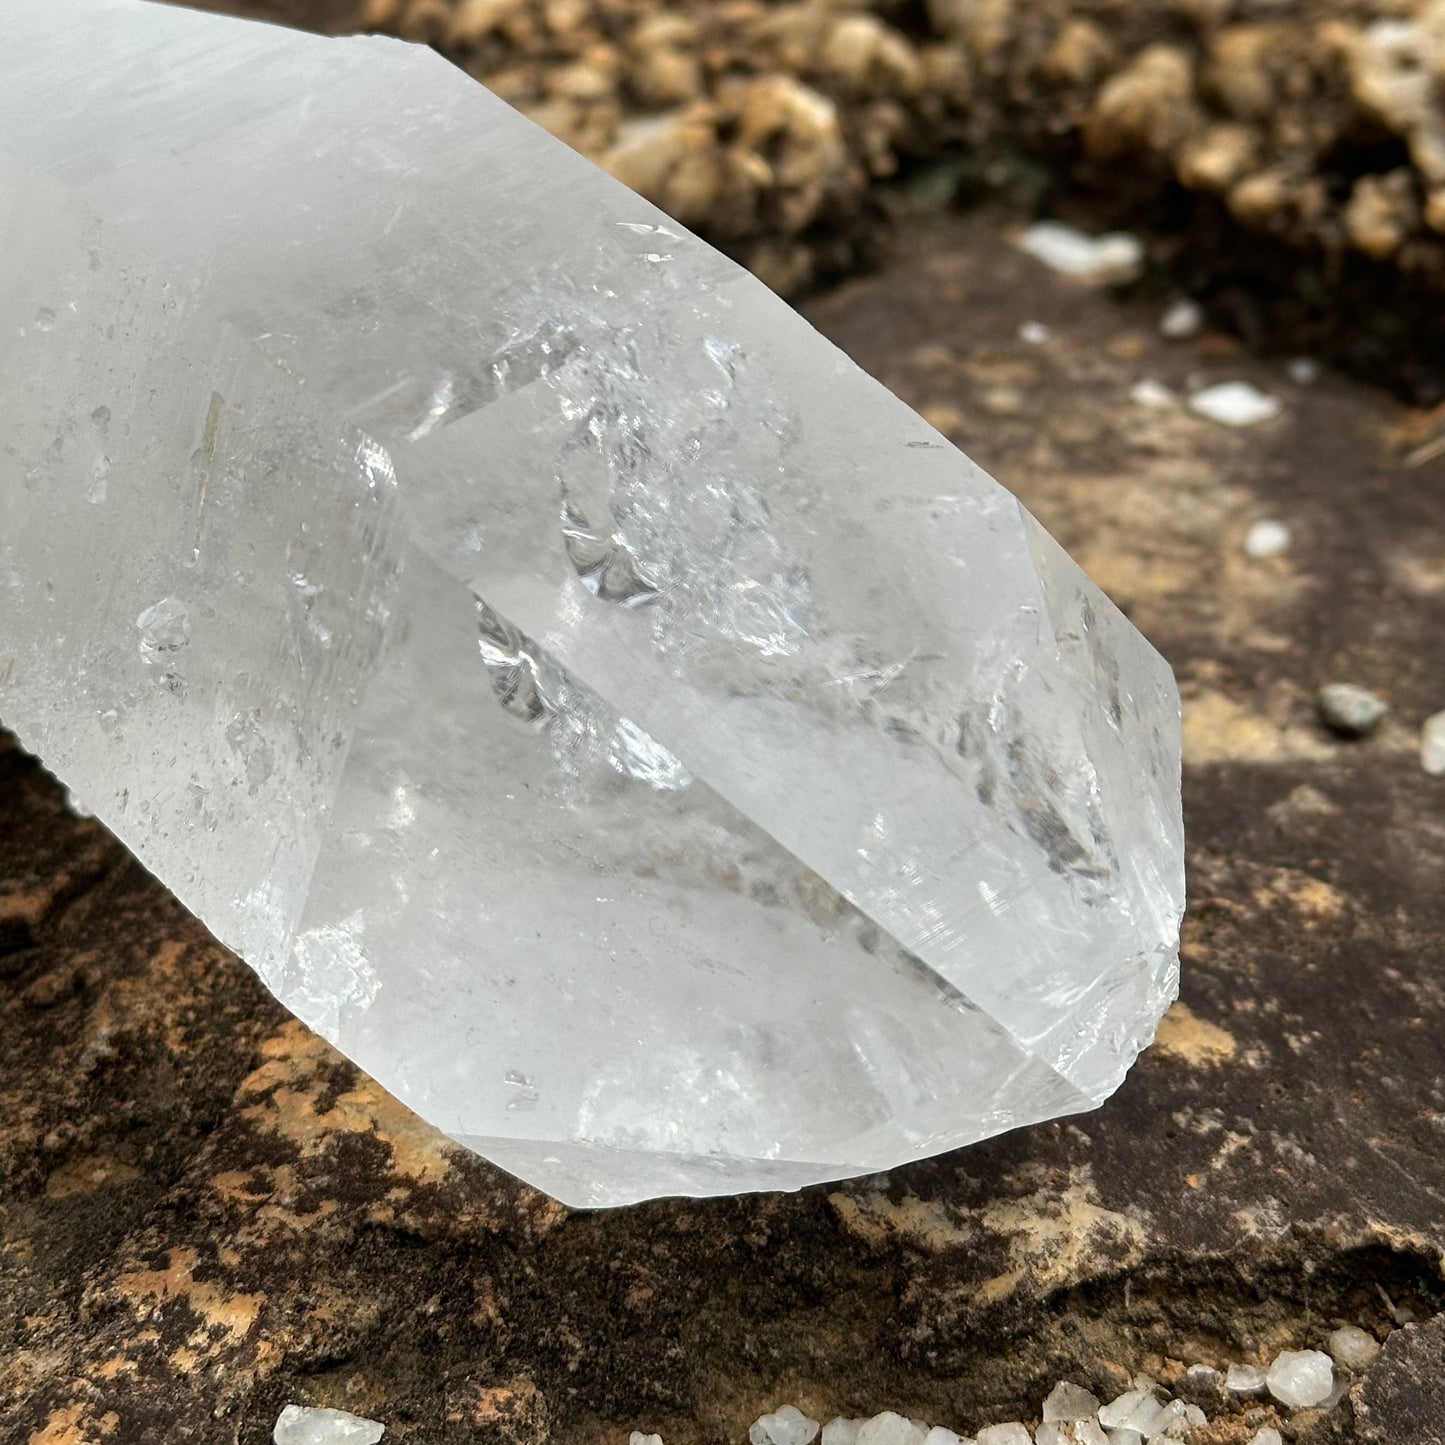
{"x":584,"y":696}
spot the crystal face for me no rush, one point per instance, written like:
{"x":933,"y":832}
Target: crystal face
{"x":614,"y":720}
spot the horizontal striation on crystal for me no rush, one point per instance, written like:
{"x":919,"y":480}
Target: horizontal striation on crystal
{"x":586,"y":698}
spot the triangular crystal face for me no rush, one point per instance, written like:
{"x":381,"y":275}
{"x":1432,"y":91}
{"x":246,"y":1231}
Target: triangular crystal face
{"x":615,"y":721}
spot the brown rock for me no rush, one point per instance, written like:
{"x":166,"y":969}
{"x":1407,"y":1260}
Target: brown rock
{"x":1146,"y":107}
{"x":1081,"y":54}
{"x":474,"y":20}
{"x":662,"y":76}
{"x":1401,"y":1401}
{"x":868,"y":57}
{"x":1217,"y":158}
{"x":1382,"y":212}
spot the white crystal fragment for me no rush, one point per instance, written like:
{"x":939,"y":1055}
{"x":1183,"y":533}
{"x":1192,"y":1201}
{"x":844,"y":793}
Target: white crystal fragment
{"x":1303,"y":370}
{"x":1150,"y":393}
{"x":1352,"y":1348}
{"x":305,"y":1425}
{"x":1134,"y":1410}
{"x":1067,"y":1401}
{"x":1181,"y":320}
{"x":1267,"y":538}
{"x":1071,"y":1432}
{"x":1009,"y":1433}
{"x":1034,"y":333}
{"x":1245,"y":1380}
{"x":841,"y":1431}
{"x":942,"y":1435}
{"x":1113,"y":256}
{"x":1235,"y":403}
{"x":890,"y":1429}
{"x":639,"y":1438}
{"x":608,"y":716}
{"x":1432,"y":745}
{"x":1120,"y":1436}
{"x":1301,"y":1378}
{"x":1266,"y":1436}
{"x":1171,"y":1423}
{"x":787,"y":1425}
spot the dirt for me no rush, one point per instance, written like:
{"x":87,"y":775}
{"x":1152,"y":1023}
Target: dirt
{"x":206,"y":1213}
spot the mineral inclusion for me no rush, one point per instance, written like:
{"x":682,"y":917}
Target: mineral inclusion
{"x":615,"y":721}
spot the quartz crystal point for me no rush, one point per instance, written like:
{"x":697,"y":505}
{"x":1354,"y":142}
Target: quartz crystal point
{"x":582,"y":695}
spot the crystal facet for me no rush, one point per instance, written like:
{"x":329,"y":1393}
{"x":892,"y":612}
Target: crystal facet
{"x":584,"y":696}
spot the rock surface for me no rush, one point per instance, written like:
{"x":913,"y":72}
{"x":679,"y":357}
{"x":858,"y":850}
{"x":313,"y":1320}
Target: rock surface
{"x":1404,"y":1397}
{"x":205,"y":1213}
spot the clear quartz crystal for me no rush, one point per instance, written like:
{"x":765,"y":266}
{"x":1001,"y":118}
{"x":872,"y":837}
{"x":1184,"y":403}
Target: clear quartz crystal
{"x":615,"y":721}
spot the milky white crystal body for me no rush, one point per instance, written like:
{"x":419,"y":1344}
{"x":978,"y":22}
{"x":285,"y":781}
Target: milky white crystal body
{"x":615,"y":721}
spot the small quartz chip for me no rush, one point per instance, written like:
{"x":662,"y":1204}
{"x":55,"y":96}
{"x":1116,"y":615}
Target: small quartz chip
{"x":1301,"y":1378}
{"x":306,"y":1425}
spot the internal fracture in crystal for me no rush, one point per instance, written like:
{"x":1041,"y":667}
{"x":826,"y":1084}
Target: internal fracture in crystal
{"x":616,"y":722}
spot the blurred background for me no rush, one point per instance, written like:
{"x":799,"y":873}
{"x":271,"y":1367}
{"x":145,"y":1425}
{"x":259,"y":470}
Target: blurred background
{"x":1291,"y":152}
{"x":1175,"y":272}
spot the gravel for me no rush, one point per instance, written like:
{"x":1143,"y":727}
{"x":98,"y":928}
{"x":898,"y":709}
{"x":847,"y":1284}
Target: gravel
{"x":1350,"y":710}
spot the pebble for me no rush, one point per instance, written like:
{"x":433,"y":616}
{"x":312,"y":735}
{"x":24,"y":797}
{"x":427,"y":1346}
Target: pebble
{"x":1113,"y":256}
{"x":1235,"y":403}
{"x":303,"y":1425}
{"x":1432,"y":745}
{"x":787,"y":1425}
{"x":1244,"y":1380}
{"x":1301,"y":1378}
{"x":1268,"y":1436}
{"x":1350,"y":710}
{"x":842,"y":1431}
{"x":1182,"y":319}
{"x":1067,"y":1401}
{"x":1150,"y":393}
{"x":1352,"y":1348}
{"x":638,"y":1438}
{"x":1011,"y":1433}
{"x":941,"y":1436}
{"x":1267,"y":538}
{"x":1034,"y":333}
